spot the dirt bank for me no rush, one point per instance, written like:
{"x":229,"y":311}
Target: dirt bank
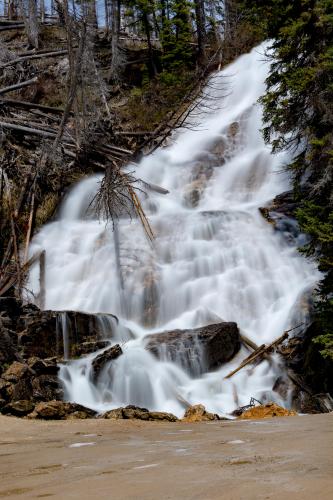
{"x":279,"y":458}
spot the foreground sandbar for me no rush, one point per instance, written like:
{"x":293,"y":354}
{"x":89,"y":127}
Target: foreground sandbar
{"x":268,"y":459}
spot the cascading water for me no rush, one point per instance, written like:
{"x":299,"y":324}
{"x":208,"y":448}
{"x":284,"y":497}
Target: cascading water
{"x":214,"y":258}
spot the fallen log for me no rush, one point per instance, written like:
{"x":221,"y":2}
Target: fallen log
{"x":248,"y":342}
{"x":248,"y":360}
{"x":12,"y":27}
{"x":30,"y":105}
{"x":261,"y":351}
{"x":18,"y":86}
{"x":28,"y":130}
{"x":34,"y":56}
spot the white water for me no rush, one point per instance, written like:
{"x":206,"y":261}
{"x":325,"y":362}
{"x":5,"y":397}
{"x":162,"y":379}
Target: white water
{"x":218,"y":260}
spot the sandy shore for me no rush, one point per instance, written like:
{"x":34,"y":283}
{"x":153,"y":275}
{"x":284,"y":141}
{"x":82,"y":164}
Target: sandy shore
{"x":281,"y":458}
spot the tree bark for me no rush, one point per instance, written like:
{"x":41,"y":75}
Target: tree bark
{"x":201,"y":30}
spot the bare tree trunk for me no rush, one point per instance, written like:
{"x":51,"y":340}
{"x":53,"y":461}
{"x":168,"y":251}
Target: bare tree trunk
{"x":152,"y":69}
{"x":115,"y":56}
{"x":107,"y":15}
{"x":201,"y":29}
{"x":12,"y":9}
{"x":42,"y":10}
{"x":31,"y":23}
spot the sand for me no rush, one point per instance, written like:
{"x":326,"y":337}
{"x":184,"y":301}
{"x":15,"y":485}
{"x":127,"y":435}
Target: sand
{"x":281,"y":458}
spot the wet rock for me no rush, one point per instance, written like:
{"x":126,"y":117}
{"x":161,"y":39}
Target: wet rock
{"x":194,"y":192}
{"x":310,"y":374}
{"x":40,"y":333}
{"x":233,"y":130}
{"x":198,"y":413}
{"x":137,"y":413}
{"x":281,"y":214}
{"x":19,"y":408}
{"x":60,"y":410}
{"x":105,"y":357}
{"x":198,"y":350}
{"x":90,"y":346}
{"x":268,"y":410}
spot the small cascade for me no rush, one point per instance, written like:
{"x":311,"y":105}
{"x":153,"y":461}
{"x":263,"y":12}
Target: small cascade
{"x":214,"y":259}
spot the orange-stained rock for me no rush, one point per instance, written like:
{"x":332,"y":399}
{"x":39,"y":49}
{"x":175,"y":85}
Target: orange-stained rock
{"x":198,"y":413}
{"x":267,"y":411}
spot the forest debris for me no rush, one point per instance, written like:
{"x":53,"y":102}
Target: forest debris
{"x":262,"y":351}
{"x":30,"y":105}
{"x":55,"y":53}
{"x":19,"y":85}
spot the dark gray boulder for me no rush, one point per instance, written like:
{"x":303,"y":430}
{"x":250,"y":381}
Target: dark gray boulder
{"x":199,"y":350}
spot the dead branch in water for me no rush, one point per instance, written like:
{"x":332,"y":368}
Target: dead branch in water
{"x":261,"y":351}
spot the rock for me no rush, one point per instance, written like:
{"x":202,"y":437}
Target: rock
{"x":43,"y":367}
{"x":41,"y":332}
{"x":198,"y":350}
{"x":194,"y":192}
{"x":21,"y":390}
{"x":233,"y":130}
{"x":16,"y":371}
{"x":281,"y":214}
{"x":8,"y":349}
{"x":268,"y":410}
{"x":198,"y":413}
{"x":3,"y":388}
{"x":116,"y":414}
{"x":105,"y":357}
{"x":46,"y":388}
{"x":60,"y":410}
{"x":90,"y":347}
{"x":18,"y":408}
{"x":134,"y":412}
{"x":311,"y":374}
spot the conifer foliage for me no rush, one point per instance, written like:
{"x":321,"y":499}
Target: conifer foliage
{"x":298,"y":110}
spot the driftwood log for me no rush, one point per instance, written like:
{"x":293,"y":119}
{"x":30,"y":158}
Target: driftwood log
{"x":261,"y":351}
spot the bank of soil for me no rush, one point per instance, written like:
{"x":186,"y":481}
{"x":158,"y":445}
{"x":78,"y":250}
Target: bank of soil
{"x":289,"y":458}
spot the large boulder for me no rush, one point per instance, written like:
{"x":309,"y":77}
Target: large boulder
{"x":43,"y":332}
{"x":199,"y":350}
{"x":26,"y":331}
{"x":136,"y":413}
{"x":198,"y":413}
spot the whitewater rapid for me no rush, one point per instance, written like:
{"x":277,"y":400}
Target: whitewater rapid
{"x":214,"y":258}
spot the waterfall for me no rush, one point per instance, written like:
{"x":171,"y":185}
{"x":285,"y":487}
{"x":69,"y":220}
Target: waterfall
{"x":214,"y":258}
